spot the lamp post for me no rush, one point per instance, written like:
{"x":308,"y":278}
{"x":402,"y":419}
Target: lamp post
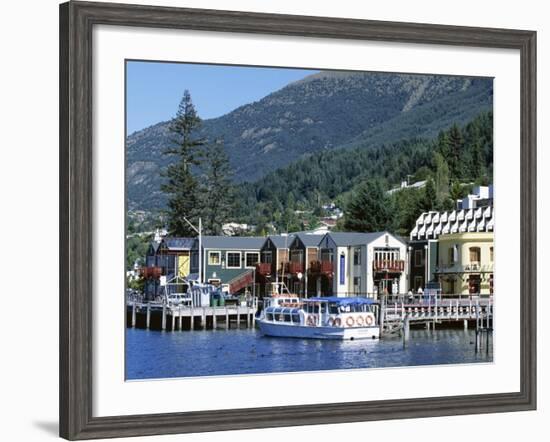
{"x":199,"y":231}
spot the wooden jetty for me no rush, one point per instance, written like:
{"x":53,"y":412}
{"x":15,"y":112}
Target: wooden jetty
{"x":159,"y":316}
{"x":397,"y":315}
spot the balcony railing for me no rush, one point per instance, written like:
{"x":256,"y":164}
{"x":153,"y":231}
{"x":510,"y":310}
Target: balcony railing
{"x":263,"y":268}
{"x":295,"y":267}
{"x":150,"y":272}
{"x":392,"y":266}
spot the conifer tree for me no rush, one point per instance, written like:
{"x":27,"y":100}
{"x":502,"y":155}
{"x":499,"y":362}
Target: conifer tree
{"x":217,"y":193}
{"x":369,"y":209}
{"x":181,"y":186}
{"x":429,"y":200}
{"x":455,"y":158}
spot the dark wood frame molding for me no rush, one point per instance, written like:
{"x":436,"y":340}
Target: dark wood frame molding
{"x":76,"y":243}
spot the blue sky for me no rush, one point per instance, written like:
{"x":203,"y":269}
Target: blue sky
{"x":155,"y":89}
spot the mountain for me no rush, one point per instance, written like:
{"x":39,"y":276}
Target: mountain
{"x":324,"y":111}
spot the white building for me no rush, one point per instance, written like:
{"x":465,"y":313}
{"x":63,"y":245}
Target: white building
{"x":363,"y":264}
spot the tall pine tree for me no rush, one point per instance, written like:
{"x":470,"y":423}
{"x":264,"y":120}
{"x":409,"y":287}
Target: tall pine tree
{"x":369,"y":209}
{"x":217,"y":192}
{"x":181,"y":186}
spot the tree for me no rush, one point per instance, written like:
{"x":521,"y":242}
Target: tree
{"x":217,"y":196}
{"x":429,"y":200}
{"x":369,"y":209}
{"x":477,"y":167}
{"x":441,"y":176}
{"x":456,"y":145}
{"x":181,"y":186}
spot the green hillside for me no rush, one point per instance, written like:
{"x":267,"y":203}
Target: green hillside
{"x":314,"y":118}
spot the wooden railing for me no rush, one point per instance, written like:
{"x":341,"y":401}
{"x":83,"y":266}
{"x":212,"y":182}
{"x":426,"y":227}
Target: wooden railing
{"x":386,"y":265}
{"x":325,"y":267}
{"x":150,"y":272}
{"x":295,"y":267}
{"x":263,"y":268}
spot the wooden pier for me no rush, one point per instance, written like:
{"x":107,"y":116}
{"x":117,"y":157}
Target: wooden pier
{"x":397,"y":316}
{"x":159,"y":316}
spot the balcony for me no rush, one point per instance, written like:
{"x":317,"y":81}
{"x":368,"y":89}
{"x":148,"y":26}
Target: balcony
{"x":263,"y":268}
{"x":324,"y":267}
{"x":390,"y":266}
{"x":150,"y":272}
{"x":295,"y":267}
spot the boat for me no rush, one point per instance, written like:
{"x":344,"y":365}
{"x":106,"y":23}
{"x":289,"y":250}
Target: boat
{"x":322,"y":318}
{"x":279,"y":296}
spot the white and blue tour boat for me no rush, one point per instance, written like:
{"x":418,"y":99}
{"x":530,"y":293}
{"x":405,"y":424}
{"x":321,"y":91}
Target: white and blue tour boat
{"x":320,"y":318}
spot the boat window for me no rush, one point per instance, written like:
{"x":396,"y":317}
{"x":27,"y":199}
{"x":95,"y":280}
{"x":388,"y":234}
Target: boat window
{"x":269,"y":317}
{"x":333,"y":308}
{"x":296,"y":318}
{"x":287,"y":317}
{"x":323,"y":307}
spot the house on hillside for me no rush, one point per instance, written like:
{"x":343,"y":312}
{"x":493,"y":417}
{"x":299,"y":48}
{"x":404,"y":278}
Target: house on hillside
{"x":362,"y":264}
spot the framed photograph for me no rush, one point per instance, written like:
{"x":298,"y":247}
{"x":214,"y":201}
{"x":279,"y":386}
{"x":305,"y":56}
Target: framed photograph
{"x":271,"y":220}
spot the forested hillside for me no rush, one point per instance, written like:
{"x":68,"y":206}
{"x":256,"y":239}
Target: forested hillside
{"x":314,"y":118}
{"x":456,"y":156}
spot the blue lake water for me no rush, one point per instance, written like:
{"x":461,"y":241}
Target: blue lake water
{"x":155,"y":354}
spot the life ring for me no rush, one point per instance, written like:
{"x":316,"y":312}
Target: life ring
{"x":350,"y":321}
{"x":311,"y":320}
{"x":331,"y":322}
{"x":337,"y":322}
{"x":359,"y":321}
{"x":369,"y":320}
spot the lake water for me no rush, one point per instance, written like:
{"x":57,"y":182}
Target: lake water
{"x":155,"y":354}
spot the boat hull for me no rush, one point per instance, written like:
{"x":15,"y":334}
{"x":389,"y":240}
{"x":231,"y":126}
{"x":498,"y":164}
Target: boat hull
{"x":285,"y":330}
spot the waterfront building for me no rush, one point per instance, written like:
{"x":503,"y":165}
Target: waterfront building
{"x":362,"y":264}
{"x":230,"y":261}
{"x":273,"y":265}
{"x":171,"y":257}
{"x":429,"y":239}
{"x":465,"y":264}
{"x":305,"y":279}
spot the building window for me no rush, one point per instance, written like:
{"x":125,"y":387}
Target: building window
{"x":252,"y":258}
{"x":215,"y":282}
{"x":418,"y":282}
{"x":491,"y":254}
{"x":453,"y":254}
{"x":214,"y":258}
{"x":356,"y":284}
{"x":327,"y":255}
{"x":418,"y":258}
{"x":266,"y":256}
{"x":296,"y":255}
{"x":357,"y":256}
{"x":475,"y":254}
{"x":233,"y":260}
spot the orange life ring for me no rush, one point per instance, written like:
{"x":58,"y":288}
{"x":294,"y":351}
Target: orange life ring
{"x":337,"y":322}
{"x":359,"y":321}
{"x":369,"y":320}
{"x":350,"y":321}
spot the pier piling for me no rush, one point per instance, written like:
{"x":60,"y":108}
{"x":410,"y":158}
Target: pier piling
{"x":226,"y":319}
{"x":133,"y":314}
{"x":148,"y":320}
{"x":164,"y":316}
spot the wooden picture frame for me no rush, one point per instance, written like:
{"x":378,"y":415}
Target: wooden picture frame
{"x":76,"y":243}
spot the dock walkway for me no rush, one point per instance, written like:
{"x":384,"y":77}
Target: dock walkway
{"x":159,"y":316}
